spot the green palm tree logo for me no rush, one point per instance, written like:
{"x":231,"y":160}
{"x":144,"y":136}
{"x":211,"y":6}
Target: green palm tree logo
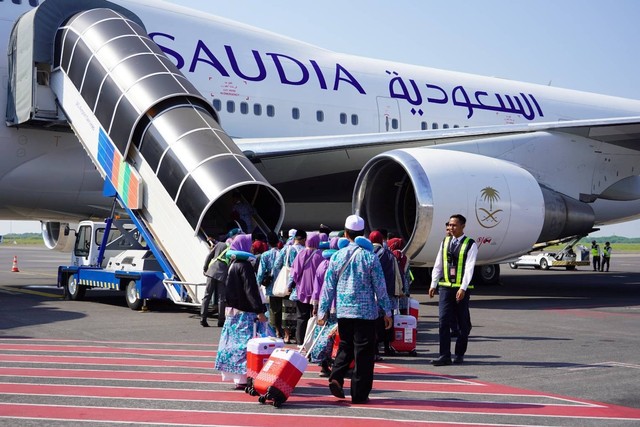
{"x":488,"y":217}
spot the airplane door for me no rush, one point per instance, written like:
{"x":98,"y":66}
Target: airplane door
{"x":388,"y":114}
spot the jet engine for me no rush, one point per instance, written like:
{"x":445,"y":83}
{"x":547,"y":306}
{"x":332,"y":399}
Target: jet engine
{"x":56,"y":236}
{"x":413,"y":192}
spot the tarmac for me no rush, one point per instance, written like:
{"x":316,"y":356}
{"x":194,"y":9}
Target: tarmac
{"x":548,"y":348}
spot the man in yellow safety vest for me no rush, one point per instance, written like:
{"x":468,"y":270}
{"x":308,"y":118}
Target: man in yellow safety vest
{"x":452,"y":274}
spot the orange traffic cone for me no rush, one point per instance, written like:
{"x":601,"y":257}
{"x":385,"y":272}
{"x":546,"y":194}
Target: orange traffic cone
{"x":14,"y":268}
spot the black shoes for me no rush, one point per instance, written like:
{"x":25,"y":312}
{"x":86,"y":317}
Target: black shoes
{"x":442,"y":361}
{"x":360,"y":401}
{"x":336,"y":389}
{"x":204,"y":323}
{"x":324,"y":369}
{"x":446,"y":360}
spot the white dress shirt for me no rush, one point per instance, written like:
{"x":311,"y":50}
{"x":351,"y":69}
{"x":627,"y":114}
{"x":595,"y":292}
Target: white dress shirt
{"x":468,"y":269}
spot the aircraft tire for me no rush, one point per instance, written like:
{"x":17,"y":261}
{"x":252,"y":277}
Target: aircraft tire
{"x":488,"y":274}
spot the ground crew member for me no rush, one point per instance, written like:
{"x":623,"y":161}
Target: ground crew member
{"x":452,"y":272}
{"x":606,"y":256}
{"x":595,"y":255}
{"x":215,"y":268}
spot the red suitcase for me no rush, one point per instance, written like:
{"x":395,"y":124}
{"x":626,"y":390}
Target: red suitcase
{"x":414,"y":308}
{"x":258,"y":352}
{"x":336,"y":346}
{"x":405,"y":334}
{"x":279,"y":376}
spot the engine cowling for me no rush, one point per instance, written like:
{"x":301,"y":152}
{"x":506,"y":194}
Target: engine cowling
{"x":413,"y":192}
{"x":55,"y":237}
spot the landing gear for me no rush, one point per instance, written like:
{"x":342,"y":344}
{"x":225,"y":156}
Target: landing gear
{"x":488,"y":274}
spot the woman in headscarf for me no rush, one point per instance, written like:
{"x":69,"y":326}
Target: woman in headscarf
{"x":395,"y":246}
{"x":303,"y":273}
{"x":321,"y":351}
{"x":244,"y":310}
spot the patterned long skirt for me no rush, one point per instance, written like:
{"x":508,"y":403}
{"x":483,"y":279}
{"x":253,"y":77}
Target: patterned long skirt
{"x":323,"y":337}
{"x":238,"y":329}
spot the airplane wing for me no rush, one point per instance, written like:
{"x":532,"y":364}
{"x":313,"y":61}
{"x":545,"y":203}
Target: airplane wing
{"x":397,"y":182}
{"x":622,"y":132}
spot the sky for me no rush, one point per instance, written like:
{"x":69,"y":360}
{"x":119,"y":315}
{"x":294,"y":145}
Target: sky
{"x":577,"y":44}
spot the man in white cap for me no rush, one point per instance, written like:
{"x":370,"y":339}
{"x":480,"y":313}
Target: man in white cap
{"x":355,"y":280}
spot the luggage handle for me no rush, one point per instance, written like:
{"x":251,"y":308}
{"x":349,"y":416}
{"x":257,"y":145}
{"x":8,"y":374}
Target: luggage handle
{"x":313,"y":344}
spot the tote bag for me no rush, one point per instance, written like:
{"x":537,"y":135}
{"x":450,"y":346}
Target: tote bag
{"x":398,"y":280}
{"x":281,"y":284}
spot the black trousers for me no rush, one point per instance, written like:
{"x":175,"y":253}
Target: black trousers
{"x":451,"y":311}
{"x":605,"y":261}
{"x":357,"y":341}
{"x":383,"y":335}
{"x":303,"y":316}
{"x":210,"y":292}
{"x":275,"y":313}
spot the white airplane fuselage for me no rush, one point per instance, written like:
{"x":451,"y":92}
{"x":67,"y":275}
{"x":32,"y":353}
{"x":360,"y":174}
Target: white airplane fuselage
{"x":266,"y":86}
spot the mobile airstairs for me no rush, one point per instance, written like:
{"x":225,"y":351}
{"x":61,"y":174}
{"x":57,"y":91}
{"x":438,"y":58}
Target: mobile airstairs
{"x":149,"y":132}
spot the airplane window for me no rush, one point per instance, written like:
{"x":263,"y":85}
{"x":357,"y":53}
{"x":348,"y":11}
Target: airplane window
{"x":320,"y":115}
{"x":271,"y":110}
{"x":394,"y":124}
{"x":231,"y":106}
{"x":434,"y":126}
{"x":257,"y":109}
{"x":424,"y":126}
{"x":354,"y":119}
{"x":456,"y":126}
{"x":217,"y":104}
{"x":244,"y":108}
{"x":295,"y":113}
{"x":445,"y":126}
{"x":343,"y":118}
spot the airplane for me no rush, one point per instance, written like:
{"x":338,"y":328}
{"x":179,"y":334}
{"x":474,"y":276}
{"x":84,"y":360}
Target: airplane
{"x":330,"y":134}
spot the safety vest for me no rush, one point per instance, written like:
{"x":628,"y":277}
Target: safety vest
{"x":595,"y":251}
{"x":606,"y":252}
{"x":457,"y":259}
{"x":222,"y":257}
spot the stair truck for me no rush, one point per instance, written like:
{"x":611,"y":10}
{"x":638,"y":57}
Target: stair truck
{"x":151,"y":135}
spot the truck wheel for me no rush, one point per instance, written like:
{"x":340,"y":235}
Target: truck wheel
{"x":544,"y":264}
{"x":74,"y":291}
{"x":571,"y":267}
{"x":133,"y":301}
{"x":513,"y":265}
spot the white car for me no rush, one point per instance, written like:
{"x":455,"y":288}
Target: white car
{"x":546,"y":260}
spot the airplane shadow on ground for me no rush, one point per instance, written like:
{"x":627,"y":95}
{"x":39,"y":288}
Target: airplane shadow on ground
{"x":542,"y":290}
{"x":30,"y":312}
